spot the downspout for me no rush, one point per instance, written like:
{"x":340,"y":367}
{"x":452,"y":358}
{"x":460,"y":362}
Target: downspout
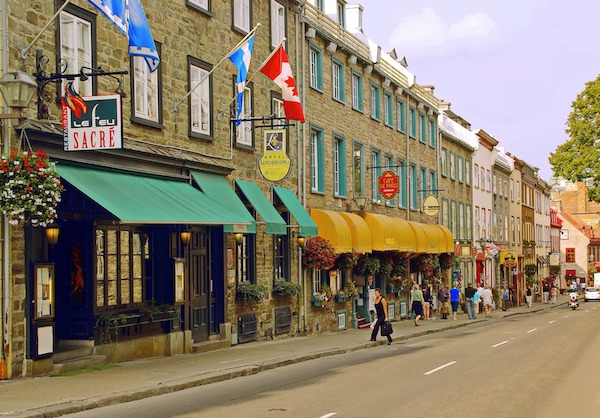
{"x":301,"y":133}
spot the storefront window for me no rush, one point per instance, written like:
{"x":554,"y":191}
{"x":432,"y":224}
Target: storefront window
{"x":280,"y":258}
{"x":245,"y":259}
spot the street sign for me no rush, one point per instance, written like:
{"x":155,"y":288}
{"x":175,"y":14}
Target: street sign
{"x":431,"y":205}
{"x":388,"y":185}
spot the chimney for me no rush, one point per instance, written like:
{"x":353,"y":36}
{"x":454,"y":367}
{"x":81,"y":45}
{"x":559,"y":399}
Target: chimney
{"x":428,"y":89}
{"x":354,"y":17}
{"x":442,"y":105}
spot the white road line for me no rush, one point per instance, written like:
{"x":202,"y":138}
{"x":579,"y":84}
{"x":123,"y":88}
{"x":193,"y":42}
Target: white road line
{"x":499,"y":344}
{"x":588,"y":310}
{"x":553,"y":321}
{"x":566,"y":316}
{"x":439,"y":368}
{"x":328,"y":415}
{"x":532,"y":330}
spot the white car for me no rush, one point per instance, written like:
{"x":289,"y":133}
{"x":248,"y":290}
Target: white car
{"x":591,"y":293}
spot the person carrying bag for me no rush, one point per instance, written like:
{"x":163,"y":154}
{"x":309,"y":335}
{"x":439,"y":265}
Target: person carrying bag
{"x":381,"y":312}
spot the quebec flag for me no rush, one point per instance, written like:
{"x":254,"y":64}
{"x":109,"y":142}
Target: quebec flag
{"x":129,"y":17}
{"x":241,"y":59}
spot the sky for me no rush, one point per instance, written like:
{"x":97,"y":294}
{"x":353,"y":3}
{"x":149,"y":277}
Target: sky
{"x":512,"y":68}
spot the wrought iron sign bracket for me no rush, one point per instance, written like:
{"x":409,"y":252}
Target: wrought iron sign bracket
{"x":268,"y":122}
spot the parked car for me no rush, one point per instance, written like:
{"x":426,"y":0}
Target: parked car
{"x":591,"y":293}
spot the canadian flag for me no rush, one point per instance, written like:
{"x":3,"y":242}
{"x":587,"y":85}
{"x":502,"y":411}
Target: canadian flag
{"x":278,"y":69}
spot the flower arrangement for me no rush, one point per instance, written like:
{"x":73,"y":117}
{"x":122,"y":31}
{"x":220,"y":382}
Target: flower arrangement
{"x":251,"y":291}
{"x":30,"y":188}
{"x":346,"y":261}
{"x":446,"y":261}
{"x":350,"y":289}
{"x":318,"y":254}
{"x":284,"y":287}
{"x":367,"y":265}
{"x":424,"y":264}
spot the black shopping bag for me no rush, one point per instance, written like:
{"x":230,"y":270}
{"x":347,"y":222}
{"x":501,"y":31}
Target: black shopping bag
{"x":386,"y":329}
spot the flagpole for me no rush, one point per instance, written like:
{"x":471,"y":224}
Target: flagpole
{"x":220,"y":114}
{"x":240,"y":43}
{"x":25,"y":50}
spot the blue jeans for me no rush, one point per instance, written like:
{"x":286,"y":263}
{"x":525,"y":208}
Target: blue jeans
{"x":471,"y":308}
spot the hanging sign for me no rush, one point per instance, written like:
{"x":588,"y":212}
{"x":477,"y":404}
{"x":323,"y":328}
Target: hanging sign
{"x":431,"y":205}
{"x":388,"y":185}
{"x":91,"y":123}
{"x":274,"y":164}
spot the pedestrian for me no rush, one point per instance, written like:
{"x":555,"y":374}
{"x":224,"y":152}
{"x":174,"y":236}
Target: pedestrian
{"x":546,"y":291}
{"x":470,"y":294}
{"x":381,"y":312}
{"x":505,"y":298}
{"x":554,"y":294}
{"x":480,"y":291}
{"x":487,"y":298}
{"x":529,"y":296}
{"x":416,"y":303}
{"x":476,"y":302}
{"x":455,"y":299}
{"x":443,"y":300}
{"x":426,"y":303}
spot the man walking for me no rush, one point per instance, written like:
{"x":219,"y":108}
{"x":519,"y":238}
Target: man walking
{"x":469,"y":296}
{"x":455,"y":299}
{"x":480,"y":292}
{"x":443,"y":299}
{"x":505,"y":297}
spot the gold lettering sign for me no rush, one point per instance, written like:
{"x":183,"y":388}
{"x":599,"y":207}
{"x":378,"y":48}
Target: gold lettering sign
{"x":274,"y":164}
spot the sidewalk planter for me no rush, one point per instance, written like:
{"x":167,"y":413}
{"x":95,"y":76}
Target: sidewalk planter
{"x":286,"y":288}
{"x":251,"y":292}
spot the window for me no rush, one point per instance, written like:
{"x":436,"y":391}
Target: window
{"x":488,"y":180}
{"x":201,"y":99}
{"x":77,"y":32}
{"x":244,"y":132}
{"x":389,"y":166}
{"x":483,"y":180}
{"x":375,"y":102}
{"x":341,"y":9}
{"x":388,"y":110}
{"x":412,"y":121}
{"x":401,"y":116}
{"x":423,"y":129}
{"x":423,"y":179}
{"x":339,"y":166}
{"x":120,"y":256}
{"x":505,"y":188}
{"x":337,"y":80}
{"x":495,"y":184}
{"x":512,"y":190}
{"x":241,"y":15}
{"x":277,"y":23}
{"x":452,"y":166}
{"x":433,"y":183}
{"x":147,"y":94}
{"x":445,"y":213}
{"x":281,"y":250}
{"x":518,"y":230}
{"x":453,"y":219}
{"x":512,"y":230}
{"x":461,"y":220}
{"x":357,"y":92}
{"x":461,"y":177}
{"x":444,"y":162}
{"x":570,"y":255}
{"x":317,"y":161}
{"x":245,"y":271}
{"x":202,"y":5}
{"x":468,"y":172}
{"x":402,"y":185}
{"x":414,"y":205}
{"x":476,"y":173}
{"x":375,"y":173}
{"x":477,"y":222}
{"x":315,"y":67}
{"x":358,"y":166}
{"x":469,"y":214}
{"x":277,"y":108}
{"x":432,"y":133}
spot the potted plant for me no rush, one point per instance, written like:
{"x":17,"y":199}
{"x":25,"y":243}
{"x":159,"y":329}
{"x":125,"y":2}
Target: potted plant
{"x":530,"y":271}
{"x":367,"y":265}
{"x":284,"y":287}
{"x":341,"y":296}
{"x":350,"y":289}
{"x":318,"y":299}
{"x":251,"y":291}
{"x":346,"y":261}
{"x":318,"y":254}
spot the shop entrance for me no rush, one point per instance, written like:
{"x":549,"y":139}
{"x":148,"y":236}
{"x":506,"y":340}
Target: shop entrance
{"x":202,"y":307}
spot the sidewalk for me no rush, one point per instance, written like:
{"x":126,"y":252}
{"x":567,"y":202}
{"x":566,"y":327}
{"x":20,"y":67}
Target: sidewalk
{"x":54,"y":396}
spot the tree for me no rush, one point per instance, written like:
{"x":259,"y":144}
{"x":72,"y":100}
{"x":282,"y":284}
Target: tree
{"x":579,"y":158}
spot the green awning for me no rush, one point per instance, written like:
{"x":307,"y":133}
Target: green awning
{"x":141,"y":199}
{"x":273,"y":220}
{"x":308,"y":228}
{"x":217,"y":188}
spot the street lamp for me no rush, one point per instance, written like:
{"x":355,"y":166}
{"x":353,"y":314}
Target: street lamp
{"x":17,"y":89}
{"x":482,"y":242}
{"x":361,"y":201}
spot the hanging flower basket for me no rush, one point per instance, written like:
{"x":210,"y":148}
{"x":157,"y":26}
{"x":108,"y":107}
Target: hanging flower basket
{"x":29,"y":188}
{"x":318,"y":254}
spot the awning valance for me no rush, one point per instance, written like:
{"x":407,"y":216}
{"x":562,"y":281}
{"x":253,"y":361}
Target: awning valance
{"x":142,"y":199}
{"x":273,"y":220}
{"x":308,"y":228}
{"x":361,"y":235}
{"x":334,"y":229}
{"x":217,"y":188}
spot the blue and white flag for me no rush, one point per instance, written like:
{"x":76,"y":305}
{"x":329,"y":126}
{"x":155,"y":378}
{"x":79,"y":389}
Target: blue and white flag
{"x":129,"y":17}
{"x":241,"y":59}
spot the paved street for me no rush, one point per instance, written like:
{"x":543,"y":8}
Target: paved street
{"x":141,"y":379}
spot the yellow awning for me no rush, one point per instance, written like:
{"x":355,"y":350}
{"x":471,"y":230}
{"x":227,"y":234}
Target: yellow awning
{"x":420,"y":237}
{"x":383,"y":235}
{"x":405,"y":238}
{"x":448,"y":239}
{"x":436,"y":243}
{"x":361,"y":235}
{"x":334,"y":228}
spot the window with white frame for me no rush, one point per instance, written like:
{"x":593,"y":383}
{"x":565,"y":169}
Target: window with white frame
{"x":452,"y":166}
{"x":339,"y":166}
{"x":468,"y":172}
{"x":357,"y":92}
{"x":200,"y":99}
{"x":444,"y":162}
{"x":469,"y":214}
{"x":241,"y":15}
{"x":461,"y":220}
{"x":477,"y":222}
{"x":423,"y":178}
{"x":203,"y":5}
{"x":388,"y":109}
{"x":488,"y":181}
{"x":76,"y":46}
{"x":401,"y":116}
{"x":412,"y":121}
{"x":453,"y":219}
{"x":315,"y":67}
{"x":147,"y":94}
{"x":483,"y":180}
{"x":337,"y":81}
{"x":317,"y":160}
{"x":277,"y":23}
{"x":277,"y":108}
{"x":476,"y":174}
{"x":375,"y":101}
{"x":358,"y":169}
{"x":402,"y":186}
{"x":244,"y":130}
{"x":414,"y":204}
{"x":460,"y":171}
{"x":423,"y":128}
{"x":432,"y":133}
{"x":341,"y":12}
{"x":494,"y":185}
{"x":375,"y":173}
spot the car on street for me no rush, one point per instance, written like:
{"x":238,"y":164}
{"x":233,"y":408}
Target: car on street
{"x":591,"y":293}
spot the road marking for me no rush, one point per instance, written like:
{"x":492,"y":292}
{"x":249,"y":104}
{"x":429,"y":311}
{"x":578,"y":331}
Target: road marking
{"x":439,"y":368}
{"x":566,"y":316}
{"x":553,"y":321}
{"x":499,"y":344}
{"x":588,"y":310}
{"x":532,"y":330}
{"x":328,"y":415}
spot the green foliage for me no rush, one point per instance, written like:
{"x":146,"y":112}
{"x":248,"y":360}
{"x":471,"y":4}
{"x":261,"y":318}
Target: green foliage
{"x":530,"y":270}
{"x":346,"y":261}
{"x":579,"y":158}
{"x":318,"y":254}
{"x":367,"y":265}
{"x":555,"y":270}
{"x":284,"y":287}
{"x":251,"y":291}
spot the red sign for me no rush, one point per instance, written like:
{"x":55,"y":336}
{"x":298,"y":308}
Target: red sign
{"x":388,"y":184}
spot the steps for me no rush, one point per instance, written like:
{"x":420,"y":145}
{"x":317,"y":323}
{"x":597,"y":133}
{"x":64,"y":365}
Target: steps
{"x":211,"y":345}
{"x":363,"y":323}
{"x":72,"y":356}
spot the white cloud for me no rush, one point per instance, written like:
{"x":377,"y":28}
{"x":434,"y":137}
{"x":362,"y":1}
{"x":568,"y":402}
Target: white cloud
{"x":427,"y":33}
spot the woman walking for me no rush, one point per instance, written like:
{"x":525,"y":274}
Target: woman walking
{"x":381,"y":312}
{"x":416,"y":303}
{"x":426,"y":303}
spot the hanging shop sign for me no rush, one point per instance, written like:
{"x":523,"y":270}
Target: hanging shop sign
{"x":274,"y":164}
{"x":431,"y":205}
{"x":91,"y":123}
{"x":508,"y":258}
{"x":388,"y":185}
